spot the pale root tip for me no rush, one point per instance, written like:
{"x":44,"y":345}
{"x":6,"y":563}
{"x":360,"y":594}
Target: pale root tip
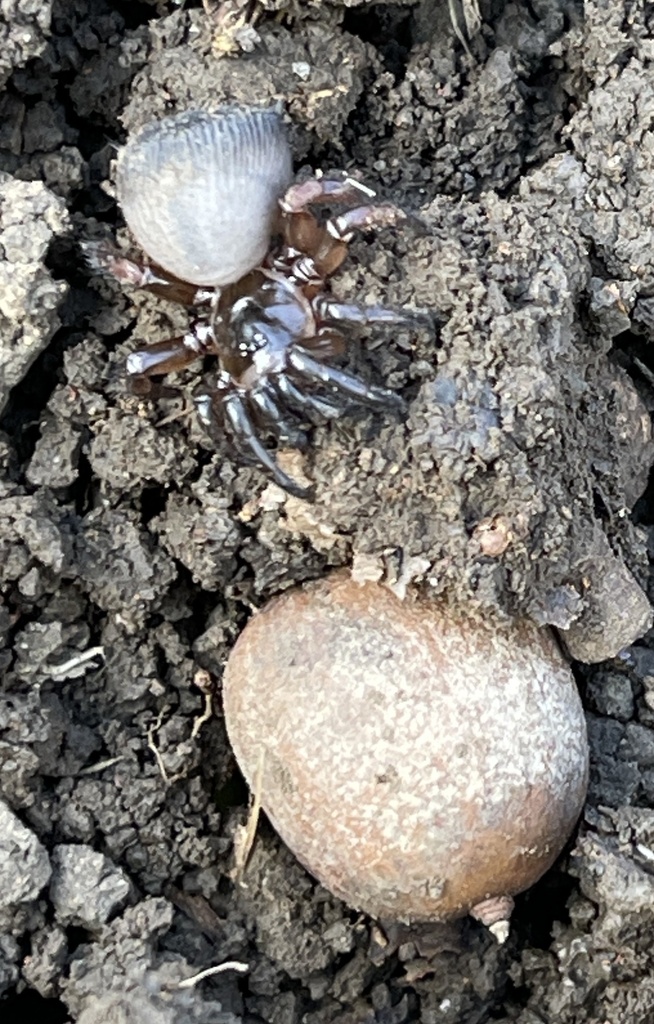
{"x":500,"y":931}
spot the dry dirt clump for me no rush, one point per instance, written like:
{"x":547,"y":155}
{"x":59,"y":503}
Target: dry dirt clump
{"x":133,"y":551}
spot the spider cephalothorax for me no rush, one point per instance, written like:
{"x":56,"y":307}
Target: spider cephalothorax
{"x":208,"y":197}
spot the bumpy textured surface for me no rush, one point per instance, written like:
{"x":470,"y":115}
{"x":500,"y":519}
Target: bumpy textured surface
{"x":24,"y":31}
{"x":199,"y":190}
{"x":30,"y":215}
{"x":417,"y":760}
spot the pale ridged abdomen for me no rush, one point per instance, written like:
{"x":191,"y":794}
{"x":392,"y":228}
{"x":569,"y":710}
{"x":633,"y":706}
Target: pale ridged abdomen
{"x":199,"y":190}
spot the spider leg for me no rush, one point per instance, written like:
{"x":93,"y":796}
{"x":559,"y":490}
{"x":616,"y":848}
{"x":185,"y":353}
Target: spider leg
{"x":243,"y":428}
{"x":354,"y":313}
{"x":362,"y":218}
{"x":323,"y":247}
{"x":326,"y":408}
{"x":171,"y":355}
{"x":264,"y":399}
{"x":106,"y":258}
{"x":311,"y":369}
{"x":322,"y":190}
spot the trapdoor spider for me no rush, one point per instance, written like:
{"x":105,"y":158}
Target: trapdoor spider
{"x":208,"y":196}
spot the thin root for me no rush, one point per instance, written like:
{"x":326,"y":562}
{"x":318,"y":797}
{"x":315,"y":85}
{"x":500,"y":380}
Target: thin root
{"x":246,"y":834}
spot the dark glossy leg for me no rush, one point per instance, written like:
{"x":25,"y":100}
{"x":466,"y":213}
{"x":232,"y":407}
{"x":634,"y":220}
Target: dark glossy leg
{"x":244,"y":431}
{"x":264,"y":399}
{"x":327,"y":343}
{"x":171,"y":355}
{"x":206,"y":400}
{"x":341,"y":381}
{"x":353,"y":313}
{"x":324,"y":408}
{"x":108,"y":259}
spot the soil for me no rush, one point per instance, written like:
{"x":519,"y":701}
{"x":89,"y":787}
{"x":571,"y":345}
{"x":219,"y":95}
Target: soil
{"x":134,"y":550}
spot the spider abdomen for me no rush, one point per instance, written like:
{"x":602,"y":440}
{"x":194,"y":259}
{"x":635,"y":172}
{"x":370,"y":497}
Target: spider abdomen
{"x":199,"y":190}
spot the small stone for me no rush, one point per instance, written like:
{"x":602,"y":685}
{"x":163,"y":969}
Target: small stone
{"x":610,"y":693}
{"x":24,"y":864}
{"x":617,"y":613}
{"x":86,"y":888}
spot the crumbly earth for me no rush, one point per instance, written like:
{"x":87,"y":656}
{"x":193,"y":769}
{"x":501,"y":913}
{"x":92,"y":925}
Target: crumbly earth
{"x":133,"y":551}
